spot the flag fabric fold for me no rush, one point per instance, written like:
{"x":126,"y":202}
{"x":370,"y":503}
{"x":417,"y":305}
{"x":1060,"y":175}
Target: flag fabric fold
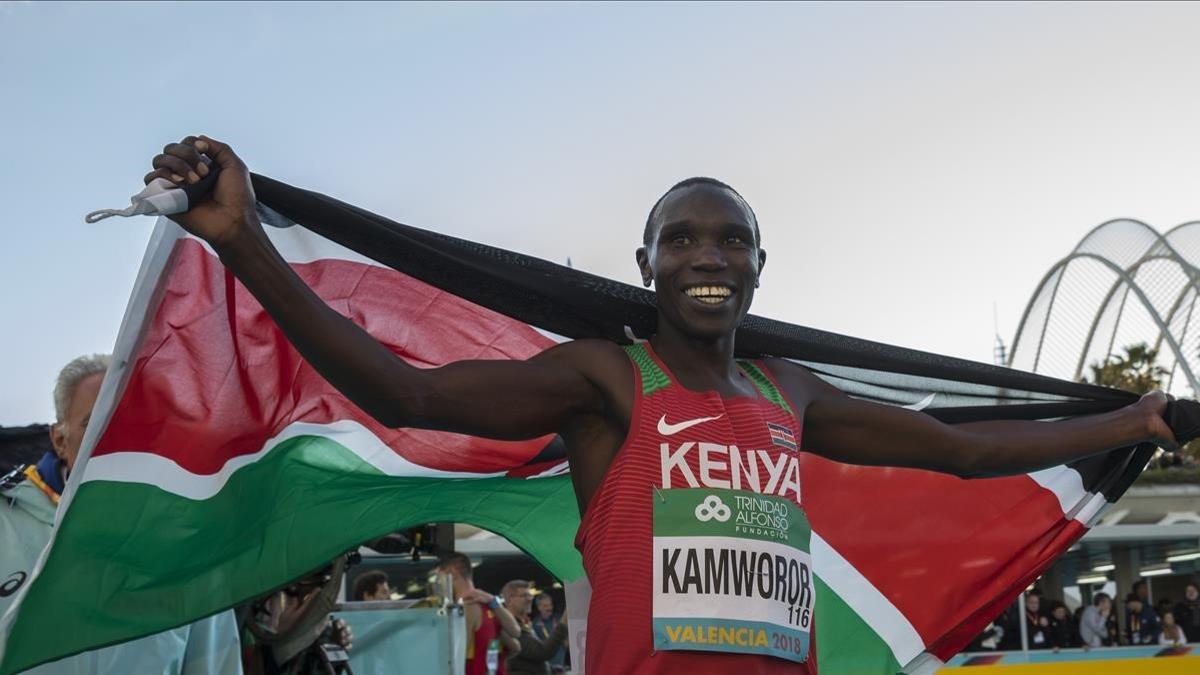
{"x":224,"y":466}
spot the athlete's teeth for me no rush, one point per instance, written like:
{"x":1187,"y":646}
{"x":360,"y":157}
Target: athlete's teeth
{"x":699,"y":292}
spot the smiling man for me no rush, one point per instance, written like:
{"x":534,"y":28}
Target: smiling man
{"x":684,"y":459}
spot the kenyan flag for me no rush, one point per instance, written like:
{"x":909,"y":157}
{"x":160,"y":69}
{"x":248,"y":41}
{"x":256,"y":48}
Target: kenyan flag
{"x":219,"y":465}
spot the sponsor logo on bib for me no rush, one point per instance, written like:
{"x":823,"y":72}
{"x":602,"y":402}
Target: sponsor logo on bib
{"x":732,"y":573}
{"x":712,"y":507}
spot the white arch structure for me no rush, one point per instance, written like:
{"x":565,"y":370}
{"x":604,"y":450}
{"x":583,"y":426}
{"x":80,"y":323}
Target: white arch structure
{"x":1122,"y":284}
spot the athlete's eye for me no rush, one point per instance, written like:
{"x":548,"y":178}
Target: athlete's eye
{"x":679,"y":239}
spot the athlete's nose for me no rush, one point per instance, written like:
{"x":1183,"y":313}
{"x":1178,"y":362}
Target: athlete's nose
{"x":709,"y":258}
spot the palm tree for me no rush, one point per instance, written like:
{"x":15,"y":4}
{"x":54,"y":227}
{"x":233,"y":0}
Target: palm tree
{"x":1136,"y":370}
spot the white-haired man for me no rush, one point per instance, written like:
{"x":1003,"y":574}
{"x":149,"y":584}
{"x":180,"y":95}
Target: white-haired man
{"x":28,"y":499}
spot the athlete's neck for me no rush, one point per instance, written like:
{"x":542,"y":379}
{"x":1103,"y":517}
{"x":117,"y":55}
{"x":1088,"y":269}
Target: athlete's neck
{"x":699,"y":365}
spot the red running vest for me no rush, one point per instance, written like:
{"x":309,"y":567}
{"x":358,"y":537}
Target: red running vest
{"x":615,"y":536}
{"x":479,"y":643}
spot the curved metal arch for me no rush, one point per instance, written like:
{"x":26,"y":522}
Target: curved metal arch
{"x":1133,"y":286}
{"x":1114,"y":221}
{"x":1174,"y":233}
{"x":1173,"y":230}
{"x":1159,"y":239}
{"x":1037,"y":292}
{"x":1132,"y":272}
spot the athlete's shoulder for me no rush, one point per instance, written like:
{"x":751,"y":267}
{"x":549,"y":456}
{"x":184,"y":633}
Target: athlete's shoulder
{"x":800,"y":383}
{"x":603,"y":363}
{"x":585,"y":353}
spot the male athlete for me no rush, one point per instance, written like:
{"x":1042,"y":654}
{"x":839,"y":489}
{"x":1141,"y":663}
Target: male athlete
{"x":683,"y":459}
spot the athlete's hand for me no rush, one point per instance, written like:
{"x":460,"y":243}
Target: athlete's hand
{"x":228,"y":211}
{"x":478,"y":596}
{"x":1150,"y":409}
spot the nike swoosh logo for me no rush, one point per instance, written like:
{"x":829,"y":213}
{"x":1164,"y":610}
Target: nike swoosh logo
{"x":672,"y":429}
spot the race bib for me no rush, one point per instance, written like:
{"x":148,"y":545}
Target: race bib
{"x":732,"y":573}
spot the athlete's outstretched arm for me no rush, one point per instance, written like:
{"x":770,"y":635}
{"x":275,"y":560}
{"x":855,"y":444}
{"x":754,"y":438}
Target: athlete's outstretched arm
{"x":860,"y":432}
{"x":496,"y":399}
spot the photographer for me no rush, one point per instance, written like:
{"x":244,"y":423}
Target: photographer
{"x":291,"y":631}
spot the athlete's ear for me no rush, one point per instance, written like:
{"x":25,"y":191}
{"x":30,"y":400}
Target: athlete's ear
{"x":762,"y":262}
{"x":643,"y":262}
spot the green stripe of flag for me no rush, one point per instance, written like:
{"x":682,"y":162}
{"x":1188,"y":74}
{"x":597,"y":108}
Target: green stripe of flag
{"x":846,"y":643}
{"x":165,"y":557}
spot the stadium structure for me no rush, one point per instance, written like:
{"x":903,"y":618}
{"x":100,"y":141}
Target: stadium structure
{"x":1123,"y":284}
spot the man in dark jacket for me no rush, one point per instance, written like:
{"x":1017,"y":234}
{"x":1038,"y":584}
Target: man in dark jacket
{"x":1063,"y":631}
{"x":534,"y":657}
{"x":1142,"y":625}
{"x":1187,"y":613}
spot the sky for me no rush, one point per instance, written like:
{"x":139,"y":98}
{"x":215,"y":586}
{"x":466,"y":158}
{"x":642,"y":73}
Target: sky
{"x":916,"y":168}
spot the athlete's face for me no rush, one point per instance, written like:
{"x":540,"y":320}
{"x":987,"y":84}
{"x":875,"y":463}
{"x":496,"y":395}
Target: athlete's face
{"x":703,"y":259}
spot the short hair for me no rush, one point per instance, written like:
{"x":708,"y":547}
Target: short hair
{"x":368,"y":583}
{"x":689,"y":182}
{"x":1100,"y":597}
{"x":513,"y":586}
{"x":459,"y":562}
{"x":71,"y":375}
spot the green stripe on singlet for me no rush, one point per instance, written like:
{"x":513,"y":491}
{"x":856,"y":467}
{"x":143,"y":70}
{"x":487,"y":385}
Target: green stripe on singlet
{"x":765,"y":386}
{"x":653,"y":377}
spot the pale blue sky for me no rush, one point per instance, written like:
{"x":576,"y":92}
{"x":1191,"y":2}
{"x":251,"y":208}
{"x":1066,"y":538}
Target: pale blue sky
{"x":910,"y":164}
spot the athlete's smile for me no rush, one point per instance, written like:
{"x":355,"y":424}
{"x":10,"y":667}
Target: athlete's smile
{"x":710,"y":293}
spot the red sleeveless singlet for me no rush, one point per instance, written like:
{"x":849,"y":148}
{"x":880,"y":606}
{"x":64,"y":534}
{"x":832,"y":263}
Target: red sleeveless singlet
{"x":679,"y":439}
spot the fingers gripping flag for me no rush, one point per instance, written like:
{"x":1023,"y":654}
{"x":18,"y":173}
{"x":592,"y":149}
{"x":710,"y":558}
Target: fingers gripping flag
{"x":219,"y":465}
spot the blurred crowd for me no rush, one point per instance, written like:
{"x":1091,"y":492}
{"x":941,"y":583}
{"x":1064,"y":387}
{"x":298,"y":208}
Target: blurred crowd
{"x":1049,"y":624}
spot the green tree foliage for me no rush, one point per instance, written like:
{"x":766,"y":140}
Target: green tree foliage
{"x":1136,"y":370}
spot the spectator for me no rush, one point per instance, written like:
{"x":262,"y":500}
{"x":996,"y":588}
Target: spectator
{"x":1163,"y":606}
{"x":1110,"y":626}
{"x":1036,"y":622}
{"x":545,"y":620}
{"x":534,"y":657}
{"x":289,"y":632}
{"x":1093,"y":625}
{"x":372,"y":586}
{"x":1187,"y":613}
{"x":1062,"y":629}
{"x":30,"y":497}
{"x":1141,"y":623}
{"x":1171,"y":633}
{"x":1149,"y":615}
{"x":493,"y":633}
